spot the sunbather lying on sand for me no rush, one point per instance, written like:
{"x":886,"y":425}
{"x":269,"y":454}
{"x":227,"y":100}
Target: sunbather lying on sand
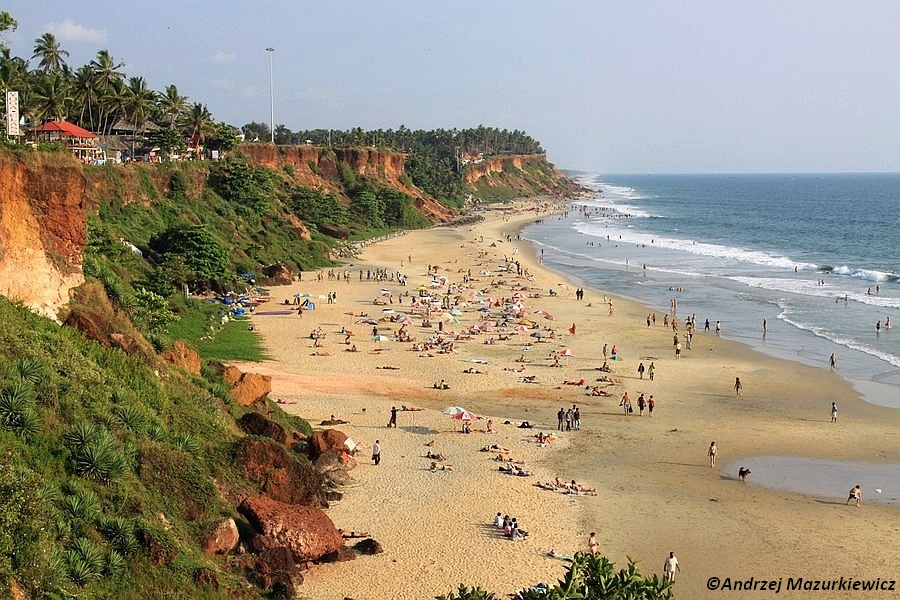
{"x":435,"y":456}
{"x":608,"y":379}
{"x":410,"y":408}
{"x":572,"y":382}
{"x":353,"y":534}
{"x":512,"y":469}
{"x":506,"y":458}
{"x":596,"y":391}
{"x":441,"y":467}
{"x":494,"y":448}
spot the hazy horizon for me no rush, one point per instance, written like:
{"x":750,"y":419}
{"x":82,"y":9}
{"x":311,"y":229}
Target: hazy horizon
{"x":639,"y":87}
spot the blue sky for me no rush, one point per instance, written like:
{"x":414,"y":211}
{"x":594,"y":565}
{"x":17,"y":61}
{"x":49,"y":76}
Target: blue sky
{"x":631,"y":86}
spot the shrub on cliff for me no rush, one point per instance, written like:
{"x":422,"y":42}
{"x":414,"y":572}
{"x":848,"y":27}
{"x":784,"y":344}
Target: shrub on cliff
{"x":205,"y":258}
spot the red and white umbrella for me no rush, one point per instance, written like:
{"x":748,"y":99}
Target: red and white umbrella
{"x":566,"y":352}
{"x":464,"y":416}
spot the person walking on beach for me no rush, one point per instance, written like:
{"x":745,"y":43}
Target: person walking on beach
{"x":561,"y":416}
{"x":641,"y":370}
{"x":670,"y":567}
{"x":832,"y":360}
{"x":593,"y":543}
{"x":392,"y":423}
{"x":706,"y":327}
{"x":677,"y":350}
{"x":626,"y":404}
{"x":650,"y":370}
{"x":833,"y":412}
{"x":651,"y":404}
{"x":738,"y":386}
{"x":605,"y":352}
{"x":718,"y":327}
{"x":641,"y":405}
{"x":576,"y":417}
{"x":855,"y":494}
{"x":712,"y":453}
{"x":376,"y":452}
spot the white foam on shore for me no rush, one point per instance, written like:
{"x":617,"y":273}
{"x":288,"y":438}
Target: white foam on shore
{"x":694,"y":247}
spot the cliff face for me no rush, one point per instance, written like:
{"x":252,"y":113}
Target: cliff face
{"x":42,"y":229}
{"x":522,"y":175}
{"x":318,"y":167}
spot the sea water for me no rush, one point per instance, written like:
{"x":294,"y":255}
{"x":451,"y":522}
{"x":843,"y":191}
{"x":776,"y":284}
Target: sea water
{"x":815,"y":256}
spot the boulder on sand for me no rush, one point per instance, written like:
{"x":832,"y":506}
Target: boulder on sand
{"x":305,"y":530}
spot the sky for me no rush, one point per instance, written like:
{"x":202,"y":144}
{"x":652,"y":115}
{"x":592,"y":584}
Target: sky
{"x":626,"y":86}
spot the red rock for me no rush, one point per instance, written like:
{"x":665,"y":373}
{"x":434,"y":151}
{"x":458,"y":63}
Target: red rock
{"x":330,"y":439}
{"x":182,"y":356}
{"x":305,"y":530}
{"x":275,"y":568}
{"x":368,"y":546}
{"x":278,"y":274}
{"x":246,"y":389}
{"x":254,"y":423}
{"x":278,"y":473}
{"x":223,"y":539}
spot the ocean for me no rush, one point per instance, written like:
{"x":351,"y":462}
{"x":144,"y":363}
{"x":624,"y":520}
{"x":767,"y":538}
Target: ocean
{"x":814,"y":255}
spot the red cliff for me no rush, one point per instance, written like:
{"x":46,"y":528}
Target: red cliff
{"x":319,"y":167}
{"x":42,"y":229}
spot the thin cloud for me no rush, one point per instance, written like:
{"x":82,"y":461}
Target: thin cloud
{"x":69,"y":31}
{"x":224,"y":57}
{"x":224,"y":84}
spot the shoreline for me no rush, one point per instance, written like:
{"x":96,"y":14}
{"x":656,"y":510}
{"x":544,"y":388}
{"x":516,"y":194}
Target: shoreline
{"x":655,"y":486}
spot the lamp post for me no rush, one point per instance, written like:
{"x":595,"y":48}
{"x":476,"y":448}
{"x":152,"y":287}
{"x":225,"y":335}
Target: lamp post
{"x":271,"y":96}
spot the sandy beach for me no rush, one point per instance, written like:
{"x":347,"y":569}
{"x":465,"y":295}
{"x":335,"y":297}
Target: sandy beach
{"x":656,"y":490}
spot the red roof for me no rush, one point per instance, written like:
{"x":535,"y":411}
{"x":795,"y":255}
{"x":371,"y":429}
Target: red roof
{"x":66,"y":129}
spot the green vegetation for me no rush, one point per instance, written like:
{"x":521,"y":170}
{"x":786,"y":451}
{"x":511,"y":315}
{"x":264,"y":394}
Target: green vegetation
{"x":588,"y":578}
{"x":103,"y":461}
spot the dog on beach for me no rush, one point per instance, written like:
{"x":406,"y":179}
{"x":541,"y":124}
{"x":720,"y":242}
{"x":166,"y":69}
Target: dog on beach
{"x":742,"y":473}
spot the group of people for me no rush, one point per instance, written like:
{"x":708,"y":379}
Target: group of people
{"x":569,"y":419}
{"x":643,"y":403}
{"x":509,"y":527}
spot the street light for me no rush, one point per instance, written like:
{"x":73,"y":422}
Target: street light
{"x":271,"y":96}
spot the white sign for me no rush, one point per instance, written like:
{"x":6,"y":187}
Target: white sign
{"x":12,"y":114}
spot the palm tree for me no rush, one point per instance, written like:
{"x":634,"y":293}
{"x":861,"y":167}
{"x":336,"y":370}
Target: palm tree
{"x":52,"y":97}
{"x":86,"y":94}
{"x":13,"y":71}
{"x":112,"y":104}
{"x":108,"y":82}
{"x":199,"y":124}
{"x":172,"y":104}
{"x":138,"y":105}
{"x":51,"y":54}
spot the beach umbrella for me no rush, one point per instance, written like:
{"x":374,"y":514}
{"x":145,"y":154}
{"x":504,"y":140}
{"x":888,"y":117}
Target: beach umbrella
{"x":385,"y":292}
{"x":421,"y":288}
{"x":566,"y":352}
{"x":387,"y":311}
{"x":538,"y":334}
{"x":464,"y":416}
{"x":521,"y":328}
{"x":455,"y":312}
{"x":381,"y":338}
{"x":368,"y":321}
{"x":453,"y":410}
